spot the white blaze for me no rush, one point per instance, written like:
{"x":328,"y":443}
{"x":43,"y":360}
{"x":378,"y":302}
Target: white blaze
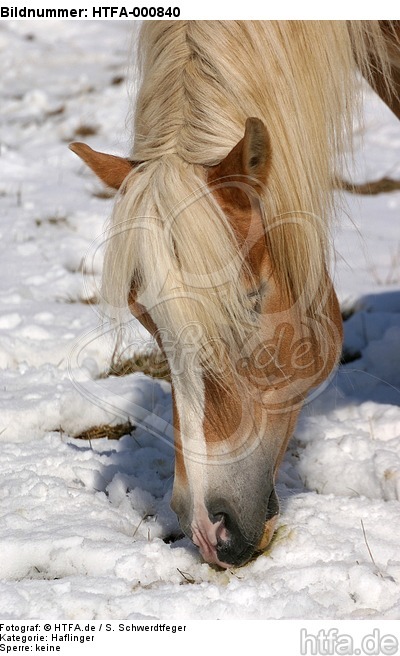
{"x":190,"y":402}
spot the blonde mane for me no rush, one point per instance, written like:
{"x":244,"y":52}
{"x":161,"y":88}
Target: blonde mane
{"x":199,"y":82}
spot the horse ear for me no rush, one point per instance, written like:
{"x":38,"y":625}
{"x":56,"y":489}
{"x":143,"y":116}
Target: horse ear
{"x":110,"y":169}
{"x":248,"y":163}
{"x":256,"y":151}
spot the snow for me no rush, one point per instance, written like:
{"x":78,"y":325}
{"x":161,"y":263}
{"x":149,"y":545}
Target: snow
{"x":85,"y":527}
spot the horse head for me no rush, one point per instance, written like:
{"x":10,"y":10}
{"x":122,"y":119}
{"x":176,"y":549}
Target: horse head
{"x":232,"y":423}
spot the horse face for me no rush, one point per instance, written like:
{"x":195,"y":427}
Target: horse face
{"x":227,"y":454}
{"x":230,"y":443}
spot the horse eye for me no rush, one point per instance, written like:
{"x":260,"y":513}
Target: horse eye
{"x":255,"y":297}
{"x":255,"y":300}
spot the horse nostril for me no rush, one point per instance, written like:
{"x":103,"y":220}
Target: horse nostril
{"x":222,"y":533}
{"x":233,"y":548}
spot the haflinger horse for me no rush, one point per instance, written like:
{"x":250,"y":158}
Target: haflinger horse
{"x":219,"y":243}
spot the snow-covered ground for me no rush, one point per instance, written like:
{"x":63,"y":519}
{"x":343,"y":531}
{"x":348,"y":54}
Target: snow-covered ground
{"x":83,"y":524}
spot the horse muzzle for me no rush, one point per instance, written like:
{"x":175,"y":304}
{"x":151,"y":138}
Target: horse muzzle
{"x":221,"y":537}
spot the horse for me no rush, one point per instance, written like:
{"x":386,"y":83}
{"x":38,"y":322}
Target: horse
{"x":219,"y":243}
